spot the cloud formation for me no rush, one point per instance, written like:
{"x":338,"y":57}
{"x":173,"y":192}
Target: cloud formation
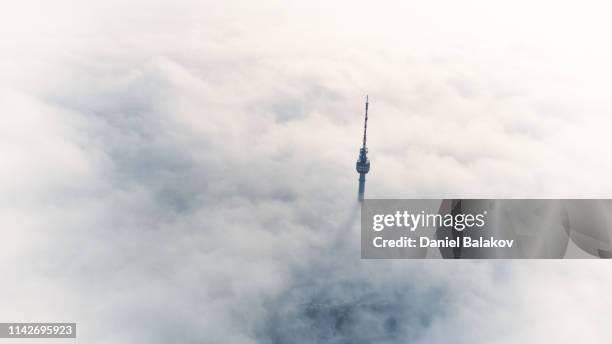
{"x":180,"y":171}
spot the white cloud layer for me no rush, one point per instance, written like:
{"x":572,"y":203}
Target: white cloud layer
{"x":177,"y":171}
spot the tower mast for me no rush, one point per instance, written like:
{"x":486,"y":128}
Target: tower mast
{"x":363,"y":164}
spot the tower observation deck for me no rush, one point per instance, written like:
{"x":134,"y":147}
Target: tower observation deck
{"x":363,"y":164}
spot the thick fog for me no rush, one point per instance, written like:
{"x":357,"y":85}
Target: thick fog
{"x":183,"y":171}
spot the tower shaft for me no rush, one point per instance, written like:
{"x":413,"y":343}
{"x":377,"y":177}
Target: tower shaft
{"x":361,"y":191}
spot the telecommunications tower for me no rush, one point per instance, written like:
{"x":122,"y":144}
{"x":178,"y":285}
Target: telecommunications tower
{"x":363,"y":164}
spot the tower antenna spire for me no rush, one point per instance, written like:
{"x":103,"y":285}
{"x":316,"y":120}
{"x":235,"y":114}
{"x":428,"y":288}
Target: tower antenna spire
{"x":363,"y":164}
{"x":365,"y":123}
